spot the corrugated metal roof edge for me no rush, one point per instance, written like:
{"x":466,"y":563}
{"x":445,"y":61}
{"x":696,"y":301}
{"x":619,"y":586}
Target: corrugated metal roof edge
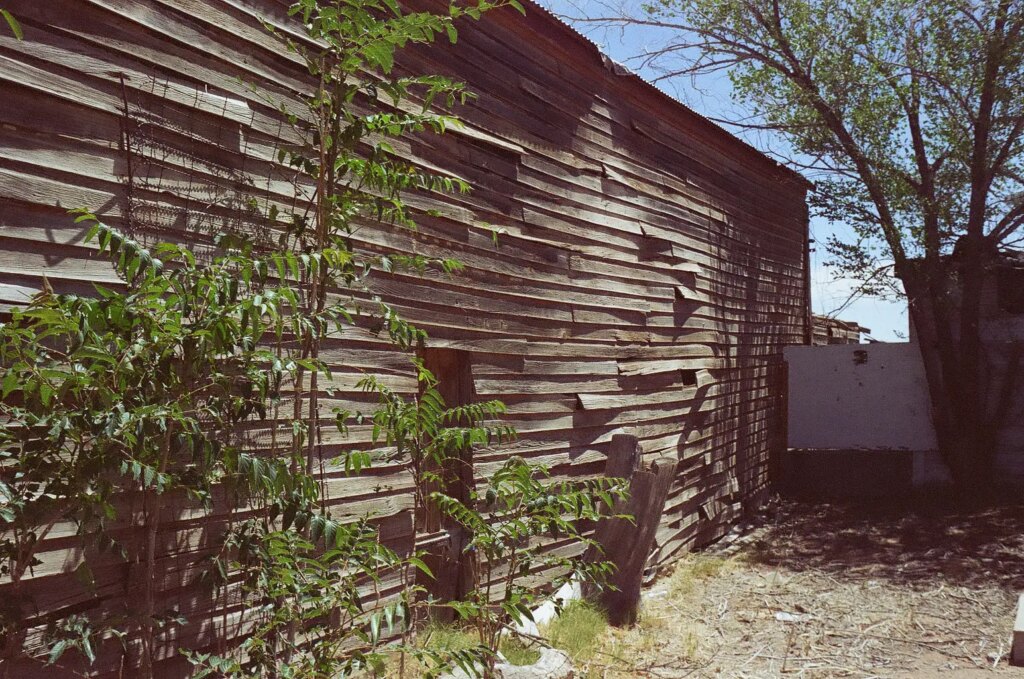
{"x":627,"y":73}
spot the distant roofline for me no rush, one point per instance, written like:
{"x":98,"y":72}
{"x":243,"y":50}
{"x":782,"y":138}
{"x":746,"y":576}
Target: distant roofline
{"x":850,"y":325}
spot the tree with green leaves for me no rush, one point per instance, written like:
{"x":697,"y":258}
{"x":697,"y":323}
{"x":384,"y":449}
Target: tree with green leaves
{"x":431,"y":436}
{"x":346,"y":176}
{"x":138,"y":393}
{"x":437,"y":443}
{"x":909,"y":114}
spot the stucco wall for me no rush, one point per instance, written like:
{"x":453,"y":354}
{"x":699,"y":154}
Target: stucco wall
{"x":871,"y":396}
{"x":847,"y":399}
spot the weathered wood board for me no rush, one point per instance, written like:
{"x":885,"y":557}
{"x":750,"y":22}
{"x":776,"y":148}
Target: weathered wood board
{"x":648,"y":272}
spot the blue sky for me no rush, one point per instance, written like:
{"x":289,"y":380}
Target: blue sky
{"x":710,"y":96}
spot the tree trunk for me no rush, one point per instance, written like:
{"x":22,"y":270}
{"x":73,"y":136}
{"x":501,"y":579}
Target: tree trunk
{"x":945,"y":319}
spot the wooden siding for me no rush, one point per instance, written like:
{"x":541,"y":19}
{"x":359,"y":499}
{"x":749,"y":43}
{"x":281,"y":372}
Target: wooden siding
{"x":834,"y":331}
{"x":639,"y":244}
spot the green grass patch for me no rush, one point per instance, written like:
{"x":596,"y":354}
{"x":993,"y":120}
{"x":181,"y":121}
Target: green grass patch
{"x":453,"y":638}
{"x":447,"y":637}
{"x":518,"y":653}
{"x":578,"y":630}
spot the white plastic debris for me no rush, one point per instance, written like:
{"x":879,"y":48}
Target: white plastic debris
{"x":552,"y":664}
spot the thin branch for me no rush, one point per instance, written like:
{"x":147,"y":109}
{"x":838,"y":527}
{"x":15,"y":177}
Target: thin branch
{"x":1010,"y":222}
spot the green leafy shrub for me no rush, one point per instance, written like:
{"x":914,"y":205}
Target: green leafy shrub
{"x":428,"y":434}
{"x":508,"y":522}
{"x":431,"y":437}
{"x":138,"y":392}
{"x":345,"y":126}
{"x":315,"y":622}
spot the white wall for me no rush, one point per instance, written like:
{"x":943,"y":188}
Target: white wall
{"x":869,"y":396}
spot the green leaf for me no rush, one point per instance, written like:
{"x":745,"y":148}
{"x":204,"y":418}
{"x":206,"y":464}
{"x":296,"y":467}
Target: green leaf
{"x":419,"y":564}
{"x":87,"y":650}
{"x":13,"y":23}
{"x":375,"y":628}
{"x":85,"y":575}
{"x":11,"y":383}
{"x":45,"y":393}
{"x":381,"y":55}
{"x":57,"y":651}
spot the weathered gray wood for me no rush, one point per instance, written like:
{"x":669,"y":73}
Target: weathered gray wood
{"x":607,"y":196}
{"x":627,"y":543}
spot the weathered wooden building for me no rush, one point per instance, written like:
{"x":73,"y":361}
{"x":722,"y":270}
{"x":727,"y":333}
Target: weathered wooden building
{"x":649,"y":267}
{"x":829,"y":330}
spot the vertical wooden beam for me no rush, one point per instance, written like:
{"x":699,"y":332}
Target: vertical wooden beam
{"x":627,"y":544}
{"x":808,"y":306}
{"x":623,"y":456}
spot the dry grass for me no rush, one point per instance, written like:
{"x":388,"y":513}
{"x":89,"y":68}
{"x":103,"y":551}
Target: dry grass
{"x":664,"y":629}
{"x":819,"y":591}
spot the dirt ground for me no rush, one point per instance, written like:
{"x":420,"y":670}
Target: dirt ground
{"x":835,"y":591}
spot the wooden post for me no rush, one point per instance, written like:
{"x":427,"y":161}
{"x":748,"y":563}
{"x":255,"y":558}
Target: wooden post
{"x":628,"y":544}
{"x":623,"y":456}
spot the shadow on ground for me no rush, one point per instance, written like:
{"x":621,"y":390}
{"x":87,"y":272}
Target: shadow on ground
{"x":919,"y":543}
